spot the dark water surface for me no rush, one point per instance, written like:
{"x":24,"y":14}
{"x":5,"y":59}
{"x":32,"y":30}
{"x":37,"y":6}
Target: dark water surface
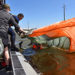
{"x":52,"y":61}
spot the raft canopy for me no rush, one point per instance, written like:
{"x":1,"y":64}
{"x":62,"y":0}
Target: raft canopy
{"x":63,"y":30}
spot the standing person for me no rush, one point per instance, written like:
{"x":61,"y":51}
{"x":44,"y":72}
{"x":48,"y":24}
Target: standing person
{"x":17,"y":18}
{"x":5,"y":19}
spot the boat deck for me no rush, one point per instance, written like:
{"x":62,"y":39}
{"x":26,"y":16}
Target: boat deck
{"x":20,"y":66}
{"x":3,"y":72}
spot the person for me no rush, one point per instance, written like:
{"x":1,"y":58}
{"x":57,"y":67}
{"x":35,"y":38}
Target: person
{"x":17,"y":18}
{"x":5,"y":20}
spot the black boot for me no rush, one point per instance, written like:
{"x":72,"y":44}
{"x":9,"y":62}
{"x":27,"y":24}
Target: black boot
{"x":8,"y":68}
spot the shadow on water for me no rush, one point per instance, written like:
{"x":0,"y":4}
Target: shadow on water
{"x":52,"y":61}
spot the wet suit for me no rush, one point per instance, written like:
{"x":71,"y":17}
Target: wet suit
{"x":12,"y":33}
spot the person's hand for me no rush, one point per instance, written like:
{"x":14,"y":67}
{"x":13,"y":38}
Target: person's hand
{"x":21,"y":30}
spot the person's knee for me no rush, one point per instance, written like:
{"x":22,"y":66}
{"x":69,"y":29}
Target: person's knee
{"x":11,"y":32}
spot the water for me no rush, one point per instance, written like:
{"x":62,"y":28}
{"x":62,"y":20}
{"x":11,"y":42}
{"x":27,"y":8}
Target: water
{"x":29,"y":52}
{"x":52,"y":61}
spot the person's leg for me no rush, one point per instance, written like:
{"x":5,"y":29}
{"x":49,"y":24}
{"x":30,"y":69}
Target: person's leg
{"x":4,"y":36}
{"x":20,"y":44}
{"x":7,"y":59}
{"x":6,"y":51}
{"x":6,"y":54}
{"x":12,"y":33}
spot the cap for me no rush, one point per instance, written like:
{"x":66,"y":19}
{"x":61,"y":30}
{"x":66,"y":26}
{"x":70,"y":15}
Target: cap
{"x":6,"y":6}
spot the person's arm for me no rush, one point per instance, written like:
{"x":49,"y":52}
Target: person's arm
{"x":13,"y":22}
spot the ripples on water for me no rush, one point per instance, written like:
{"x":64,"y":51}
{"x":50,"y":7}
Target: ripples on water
{"x":52,"y":61}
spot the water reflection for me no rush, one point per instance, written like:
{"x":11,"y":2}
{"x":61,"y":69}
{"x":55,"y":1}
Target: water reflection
{"x":52,"y":61}
{"x":28,"y":52}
